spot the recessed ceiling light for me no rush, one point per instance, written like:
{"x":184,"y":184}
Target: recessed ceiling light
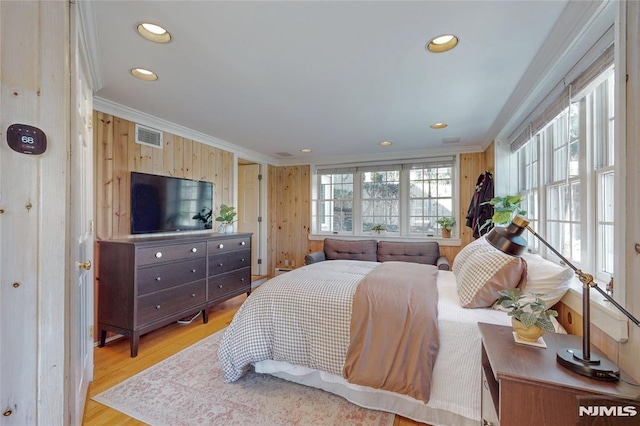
{"x":153,"y":32}
{"x":144,"y":74}
{"x":439,"y":125}
{"x":442,"y":43}
{"x":385,"y":143}
{"x":305,"y":150}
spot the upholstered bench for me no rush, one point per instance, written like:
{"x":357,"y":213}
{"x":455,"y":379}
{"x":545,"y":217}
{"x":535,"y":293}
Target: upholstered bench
{"x":383,"y":251}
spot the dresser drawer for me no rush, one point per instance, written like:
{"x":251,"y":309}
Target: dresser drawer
{"x":151,"y":255}
{"x":231,"y":282}
{"x":229,"y":244}
{"x":158,"y":277}
{"x":158,"y":305}
{"x":225,"y":262}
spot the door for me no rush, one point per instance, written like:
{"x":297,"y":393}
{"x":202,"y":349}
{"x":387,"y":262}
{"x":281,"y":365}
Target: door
{"x":81,"y":225}
{"x":249,"y":208}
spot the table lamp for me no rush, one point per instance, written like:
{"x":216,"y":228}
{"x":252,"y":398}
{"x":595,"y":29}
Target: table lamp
{"x":510,"y":240}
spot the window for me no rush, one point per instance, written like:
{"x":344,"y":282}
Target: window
{"x":336,"y":202}
{"x":528,"y":171}
{"x":406,"y":199}
{"x":380,"y":200}
{"x":430,"y":198}
{"x":566,"y":175}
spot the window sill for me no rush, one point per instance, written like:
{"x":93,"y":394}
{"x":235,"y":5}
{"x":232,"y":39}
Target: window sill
{"x":454,"y":242}
{"x":604,"y":315}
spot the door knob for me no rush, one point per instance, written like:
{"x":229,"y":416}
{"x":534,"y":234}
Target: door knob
{"x":86,"y":265}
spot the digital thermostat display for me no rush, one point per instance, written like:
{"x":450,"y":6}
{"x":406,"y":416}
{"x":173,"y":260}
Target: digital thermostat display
{"x":26,"y":139}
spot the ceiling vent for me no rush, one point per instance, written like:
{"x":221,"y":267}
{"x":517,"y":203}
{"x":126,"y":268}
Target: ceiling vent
{"x":284,"y":154}
{"x":148,"y":136}
{"x":450,"y":140}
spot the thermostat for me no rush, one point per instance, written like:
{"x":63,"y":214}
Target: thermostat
{"x":26,"y":139}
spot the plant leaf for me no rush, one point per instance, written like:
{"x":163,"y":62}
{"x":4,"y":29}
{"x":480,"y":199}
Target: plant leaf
{"x":501,"y":217}
{"x":527,"y":319}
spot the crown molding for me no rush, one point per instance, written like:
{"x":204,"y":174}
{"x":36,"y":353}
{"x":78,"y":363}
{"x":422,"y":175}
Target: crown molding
{"x":109,"y":107}
{"x":395,"y":156}
{"x":89,"y":39}
{"x":122,"y":111}
{"x":580,"y":26}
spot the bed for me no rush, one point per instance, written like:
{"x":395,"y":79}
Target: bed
{"x":296,"y":326}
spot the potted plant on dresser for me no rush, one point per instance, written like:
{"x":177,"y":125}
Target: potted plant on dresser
{"x":530,"y":317}
{"x":226,"y":218}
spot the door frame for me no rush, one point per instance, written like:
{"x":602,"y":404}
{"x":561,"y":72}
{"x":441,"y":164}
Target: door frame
{"x":81,"y":224}
{"x":261,"y":240}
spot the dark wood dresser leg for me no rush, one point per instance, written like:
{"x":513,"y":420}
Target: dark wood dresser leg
{"x":135,"y":339}
{"x":205,"y":316}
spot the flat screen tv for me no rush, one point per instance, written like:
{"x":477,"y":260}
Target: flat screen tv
{"x":167,"y":204}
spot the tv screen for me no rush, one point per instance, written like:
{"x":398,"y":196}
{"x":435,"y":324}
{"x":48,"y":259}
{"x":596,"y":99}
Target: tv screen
{"x":167,"y":204}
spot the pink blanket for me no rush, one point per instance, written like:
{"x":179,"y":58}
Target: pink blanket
{"x":394,"y":329}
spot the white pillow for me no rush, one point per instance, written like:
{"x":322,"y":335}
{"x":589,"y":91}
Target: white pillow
{"x":482,"y":270}
{"x":548,"y":278}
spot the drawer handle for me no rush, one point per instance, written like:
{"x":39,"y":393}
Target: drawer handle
{"x":158,"y":307}
{"x":220,"y":245}
{"x":193,"y":250}
{"x":158,"y":278}
{"x":242,"y":260}
{"x":193,"y":295}
{"x":193,"y":271}
{"x":242,"y":279}
{"x":219,"y":285}
{"x":158,"y":254}
{"x":242,"y":243}
{"x":220,"y":264}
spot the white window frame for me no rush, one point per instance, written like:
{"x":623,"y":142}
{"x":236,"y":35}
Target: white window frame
{"x":404,"y":166}
{"x":588,"y":178}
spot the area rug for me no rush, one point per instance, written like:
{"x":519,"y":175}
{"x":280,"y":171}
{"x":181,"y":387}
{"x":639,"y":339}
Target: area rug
{"x":188,"y":389}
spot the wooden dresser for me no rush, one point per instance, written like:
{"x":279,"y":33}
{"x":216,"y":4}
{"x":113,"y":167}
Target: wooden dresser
{"x":525,"y":385}
{"x":146,"y":283}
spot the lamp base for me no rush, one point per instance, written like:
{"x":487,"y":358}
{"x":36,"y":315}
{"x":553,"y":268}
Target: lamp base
{"x":595,"y":367}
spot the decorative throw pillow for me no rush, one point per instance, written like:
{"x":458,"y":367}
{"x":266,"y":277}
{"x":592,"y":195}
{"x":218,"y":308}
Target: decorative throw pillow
{"x":482,"y":270}
{"x":548,"y":278}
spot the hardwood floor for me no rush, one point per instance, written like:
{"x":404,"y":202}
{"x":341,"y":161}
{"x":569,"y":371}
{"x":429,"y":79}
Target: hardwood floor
{"x":113,"y":364}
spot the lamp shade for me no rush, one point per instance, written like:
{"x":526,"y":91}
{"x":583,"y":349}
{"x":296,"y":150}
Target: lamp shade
{"x":509,"y":239}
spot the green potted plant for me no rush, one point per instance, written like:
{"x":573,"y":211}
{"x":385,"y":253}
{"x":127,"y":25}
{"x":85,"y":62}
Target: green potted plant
{"x":446,"y":224}
{"x":226,"y":218}
{"x":378,"y":229}
{"x":529,"y":318}
{"x":504,"y":210}
{"x":204,"y":216}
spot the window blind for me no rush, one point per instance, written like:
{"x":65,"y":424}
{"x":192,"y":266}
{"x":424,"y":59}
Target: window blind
{"x":560,"y":102}
{"x":385,"y":165}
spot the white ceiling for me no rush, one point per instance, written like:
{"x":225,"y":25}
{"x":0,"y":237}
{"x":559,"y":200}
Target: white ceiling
{"x":334,"y":76}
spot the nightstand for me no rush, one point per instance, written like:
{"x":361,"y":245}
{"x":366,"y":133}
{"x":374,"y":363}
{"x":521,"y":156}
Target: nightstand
{"x":524,"y":385}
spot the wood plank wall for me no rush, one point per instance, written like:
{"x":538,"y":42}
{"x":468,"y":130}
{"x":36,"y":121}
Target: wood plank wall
{"x":117,"y":154}
{"x":289,"y":216}
{"x":572,"y":322}
{"x":290,"y":200}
